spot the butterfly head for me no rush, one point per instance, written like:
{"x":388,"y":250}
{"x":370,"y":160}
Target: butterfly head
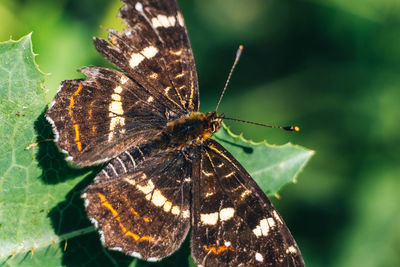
{"x":214,"y":121}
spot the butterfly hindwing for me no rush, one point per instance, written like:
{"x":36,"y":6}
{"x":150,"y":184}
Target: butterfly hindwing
{"x":97,"y":118}
{"x":143,"y":211}
{"x":234,"y":223}
{"x":155,"y":51}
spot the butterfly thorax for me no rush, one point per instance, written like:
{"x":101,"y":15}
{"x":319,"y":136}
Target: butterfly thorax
{"x":192,"y":128}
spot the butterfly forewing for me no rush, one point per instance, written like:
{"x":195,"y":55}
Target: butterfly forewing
{"x":234,"y":224}
{"x":143,"y":211}
{"x":155,"y":51}
{"x":97,"y":118}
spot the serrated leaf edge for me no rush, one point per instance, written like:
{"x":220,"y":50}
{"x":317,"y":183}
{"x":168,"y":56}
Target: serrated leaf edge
{"x":29,"y":36}
{"x":264,"y":142}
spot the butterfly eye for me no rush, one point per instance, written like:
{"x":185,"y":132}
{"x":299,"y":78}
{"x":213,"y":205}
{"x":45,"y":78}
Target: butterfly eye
{"x":214,"y":126}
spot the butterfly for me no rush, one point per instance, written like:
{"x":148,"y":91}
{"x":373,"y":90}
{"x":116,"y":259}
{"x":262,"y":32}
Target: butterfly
{"x":164,"y":173}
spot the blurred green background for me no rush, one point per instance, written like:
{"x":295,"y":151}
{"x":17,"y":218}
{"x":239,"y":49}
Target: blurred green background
{"x":332,"y":67}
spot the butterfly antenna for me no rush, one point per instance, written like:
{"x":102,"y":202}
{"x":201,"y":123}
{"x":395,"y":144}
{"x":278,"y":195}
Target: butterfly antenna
{"x":287,"y":128}
{"x":238,"y":54}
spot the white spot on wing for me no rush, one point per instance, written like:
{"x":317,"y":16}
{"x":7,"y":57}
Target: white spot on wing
{"x":291,"y":250}
{"x":259,"y":257}
{"x":276,"y":216}
{"x":116,"y":97}
{"x":186,"y":214}
{"x":135,"y":60}
{"x":130,"y":181}
{"x":175,"y":210}
{"x":226,"y":214}
{"x":150,"y":99}
{"x":115,"y":110}
{"x":172,"y":20}
{"x":139,"y":7}
{"x":136,"y":255}
{"x":263,"y":228}
{"x":102,"y":238}
{"x":123,"y":79}
{"x":271,"y":222}
{"x":167,"y":206}
{"x":244,"y":194}
{"x":227,"y":244}
{"x":209,"y":218}
{"x":118,"y":89}
{"x":152,"y":259}
{"x":180,"y":19}
{"x":148,"y":188}
{"x":153,"y":75}
{"x":158,"y":199}
{"x":257,"y":231}
{"x":164,"y":21}
{"x":155,"y":23}
{"x":210,"y":193}
{"x":149,"y":51}
{"x":95,"y":223}
{"x":176,"y":53}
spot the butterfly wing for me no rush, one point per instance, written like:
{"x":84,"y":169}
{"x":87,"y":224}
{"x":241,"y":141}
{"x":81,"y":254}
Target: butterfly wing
{"x":140,"y":204}
{"x":155,"y":51}
{"x":97,"y":118}
{"x":234,"y":223}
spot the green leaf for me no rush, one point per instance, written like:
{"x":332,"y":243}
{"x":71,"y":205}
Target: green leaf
{"x":33,"y":176}
{"x":270,"y":166}
{"x":42,"y":218}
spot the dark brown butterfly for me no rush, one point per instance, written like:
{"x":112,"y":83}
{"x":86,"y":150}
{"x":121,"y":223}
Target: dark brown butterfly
{"x":164,"y":172}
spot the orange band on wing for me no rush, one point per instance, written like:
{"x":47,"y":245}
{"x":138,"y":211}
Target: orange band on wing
{"x":79,"y":89}
{"x":133,"y":211}
{"x":107,"y":204}
{"x":218,"y":250}
{"x":91,"y":109}
{"x":78,"y":143}
{"x":76,"y":126}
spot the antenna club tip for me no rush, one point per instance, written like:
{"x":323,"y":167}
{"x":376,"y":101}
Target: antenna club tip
{"x":241,"y":47}
{"x":292,"y":128}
